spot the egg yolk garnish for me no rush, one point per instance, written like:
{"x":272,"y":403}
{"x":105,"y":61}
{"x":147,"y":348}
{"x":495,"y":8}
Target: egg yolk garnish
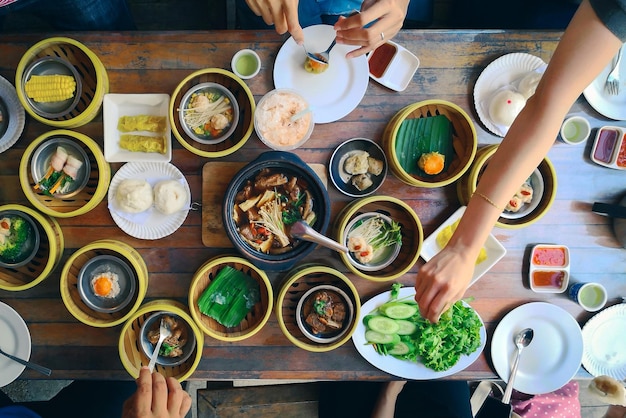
{"x":102,"y":286}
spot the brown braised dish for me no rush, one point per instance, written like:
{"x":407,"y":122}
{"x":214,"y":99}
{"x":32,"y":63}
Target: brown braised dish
{"x":324,"y":311}
{"x":173,"y":345}
{"x":267,"y":206}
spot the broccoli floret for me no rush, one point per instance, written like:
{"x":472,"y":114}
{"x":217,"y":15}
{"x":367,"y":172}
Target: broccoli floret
{"x":20,"y":231}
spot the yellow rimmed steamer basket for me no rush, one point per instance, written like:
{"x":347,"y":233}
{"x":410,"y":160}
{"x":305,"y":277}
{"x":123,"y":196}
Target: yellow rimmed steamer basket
{"x":467,"y":186}
{"x":244,"y":98}
{"x":88,"y":198}
{"x":47,"y":258}
{"x":69,"y":282}
{"x":294,"y":285}
{"x":464,"y":140}
{"x":400,"y":212}
{"x":258,"y":315}
{"x":95,"y":81}
{"x":131,"y":353}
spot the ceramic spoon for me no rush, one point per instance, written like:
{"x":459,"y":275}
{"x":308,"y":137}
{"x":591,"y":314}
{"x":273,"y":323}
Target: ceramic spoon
{"x":302,"y":230}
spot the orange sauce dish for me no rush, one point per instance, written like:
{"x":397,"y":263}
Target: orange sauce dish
{"x":544,"y":278}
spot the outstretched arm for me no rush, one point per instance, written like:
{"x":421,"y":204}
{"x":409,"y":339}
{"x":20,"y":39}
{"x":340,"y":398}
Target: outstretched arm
{"x":586,"y":47}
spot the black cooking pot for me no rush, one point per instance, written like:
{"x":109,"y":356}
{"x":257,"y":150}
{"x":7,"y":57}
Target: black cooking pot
{"x":291,"y":165}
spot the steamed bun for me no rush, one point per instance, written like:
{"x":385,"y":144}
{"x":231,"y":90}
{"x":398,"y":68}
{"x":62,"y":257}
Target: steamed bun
{"x":528,"y":84}
{"x":505,"y":106}
{"x":169,"y":196}
{"x":134,"y":196}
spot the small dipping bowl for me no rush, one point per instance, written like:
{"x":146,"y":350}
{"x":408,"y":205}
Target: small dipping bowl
{"x":273,"y":121}
{"x":609,"y":147}
{"x":153,"y":323}
{"x":575,"y":130}
{"x":29,"y":247}
{"x":246,"y":64}
{"x":40,"y":162}
{"x":202,"y":137}
{"x":343,"y":180}
{"x":549,"y":268}
{"x":305,"y":307}
{"x":48,"y":66}
{"x":125,"y":279}
{"x":383,"y":256}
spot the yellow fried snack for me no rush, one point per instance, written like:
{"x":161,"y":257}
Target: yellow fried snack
{"x":143,"y":143}
{"x":147,"y":123}
{"x":446,"y":233}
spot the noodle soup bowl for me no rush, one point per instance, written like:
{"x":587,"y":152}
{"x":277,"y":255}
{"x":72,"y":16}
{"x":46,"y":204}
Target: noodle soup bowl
{"x":215,"y":93}
{"x":234,"y":216}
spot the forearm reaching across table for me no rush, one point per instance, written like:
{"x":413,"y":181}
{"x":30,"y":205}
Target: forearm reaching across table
{"x":586,"y":47}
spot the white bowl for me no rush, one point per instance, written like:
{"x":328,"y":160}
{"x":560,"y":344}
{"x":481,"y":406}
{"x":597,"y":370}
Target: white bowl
{"x":204,"y":88}
{"x":384,"y":256}
{"x":536,"y":182}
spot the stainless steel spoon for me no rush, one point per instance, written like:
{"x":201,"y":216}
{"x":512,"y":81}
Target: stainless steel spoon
{"x":40,"y":369}
{"x":522,"y":339}
{"x":302,"y":230}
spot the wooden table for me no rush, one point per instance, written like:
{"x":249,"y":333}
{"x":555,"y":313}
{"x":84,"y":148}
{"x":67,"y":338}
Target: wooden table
{"x":451,"y":61}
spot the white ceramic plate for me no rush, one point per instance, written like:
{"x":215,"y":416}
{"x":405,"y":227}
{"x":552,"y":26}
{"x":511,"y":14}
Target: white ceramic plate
{"x":495,"y":250}
{"x":400,"y":70}
{"x":150,"y":224}
{"x":605,"y":344}
{"x":13,"y":122}
{"x":335,"y":92}
{"x":613,"y":107}
{"x":501,"y":72}
{"x":15,"y":340}
{"x":402,"y":368}
{"x":553,"y":356}
{"x":117,"y":105}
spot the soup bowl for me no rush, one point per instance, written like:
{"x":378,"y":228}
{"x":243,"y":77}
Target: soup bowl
{"x":234,"y":211}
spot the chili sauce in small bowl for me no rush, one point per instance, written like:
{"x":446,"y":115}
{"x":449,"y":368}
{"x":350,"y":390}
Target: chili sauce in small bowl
{"x":549,"y":268}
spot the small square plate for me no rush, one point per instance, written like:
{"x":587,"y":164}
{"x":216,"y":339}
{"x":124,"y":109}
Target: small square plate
{"x":399,"y":72}
{"x":495,"y":250}
{"x":118,"y":105}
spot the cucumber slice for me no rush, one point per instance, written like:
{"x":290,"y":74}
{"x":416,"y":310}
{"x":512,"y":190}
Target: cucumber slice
{"x":398,"y":310}
{"x":380,"y":338}
{"x":399,"y":349}
{"x":383,"y":325}
{"x":406,"y":327}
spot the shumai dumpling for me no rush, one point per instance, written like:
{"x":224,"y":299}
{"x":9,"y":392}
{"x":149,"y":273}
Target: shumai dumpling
{"x":505,"y":106}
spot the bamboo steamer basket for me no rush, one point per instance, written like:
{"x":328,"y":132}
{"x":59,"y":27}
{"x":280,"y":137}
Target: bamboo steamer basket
{"x":51,"y":246}
{"x":464,"y":140}
{"x":397,"y":210}
{"x":468,"y":183}
{"x":88,"y":198}
{"x":256,"y":318}
{"x":295,"y":284}
{"x":69,"y":282}
{"x":245,"y":125}
{"x":95,"y":81}
{"x":133,"y":357}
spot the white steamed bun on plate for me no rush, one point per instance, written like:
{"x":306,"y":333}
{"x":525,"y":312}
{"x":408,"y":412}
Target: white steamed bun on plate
{"x":505,"y":105}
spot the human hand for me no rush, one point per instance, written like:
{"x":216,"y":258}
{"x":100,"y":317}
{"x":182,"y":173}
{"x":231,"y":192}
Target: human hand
{"x":283,"y":14}
{"x":442,"y":281}
{"x":156,"y":397}
{"x":388,"y":17}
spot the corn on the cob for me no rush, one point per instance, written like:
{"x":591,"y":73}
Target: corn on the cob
{"x":50,"y":88}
